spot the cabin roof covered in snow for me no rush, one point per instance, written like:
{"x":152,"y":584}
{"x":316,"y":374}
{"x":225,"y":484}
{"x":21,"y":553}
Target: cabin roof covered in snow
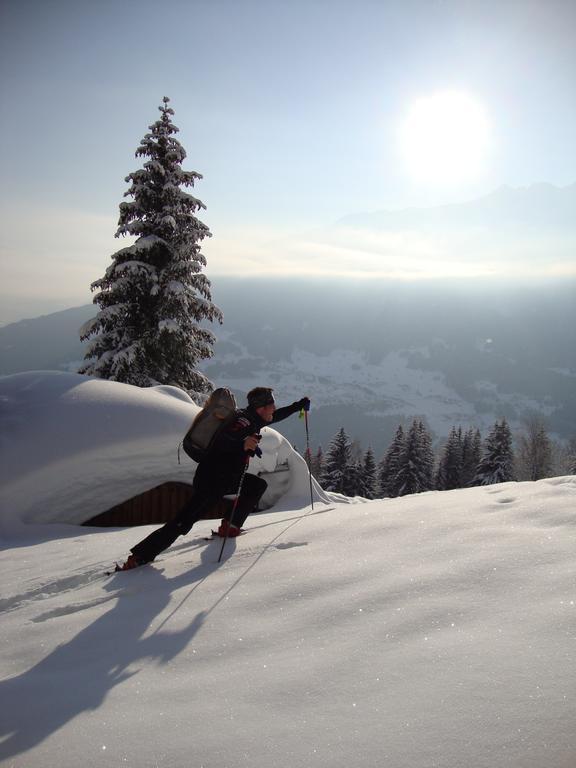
{"x":73,"y":446}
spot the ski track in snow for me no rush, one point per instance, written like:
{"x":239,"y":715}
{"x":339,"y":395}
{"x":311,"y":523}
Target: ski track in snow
{"x":432,"y":631}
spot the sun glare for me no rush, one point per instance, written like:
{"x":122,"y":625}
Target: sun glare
{"x":445,"y":138}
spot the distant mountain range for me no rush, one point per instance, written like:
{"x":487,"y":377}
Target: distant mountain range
{"x":372,"y":355}
{"x":538,"y":207}
{"x":49,"y":342}
{"x":375,"y":353}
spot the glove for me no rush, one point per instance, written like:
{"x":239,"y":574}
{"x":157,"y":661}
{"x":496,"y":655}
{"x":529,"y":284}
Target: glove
{"x":304,"y":404}
{"x":251,"y":444}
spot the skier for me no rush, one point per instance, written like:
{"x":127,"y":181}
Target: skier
{"x":219,"y":474}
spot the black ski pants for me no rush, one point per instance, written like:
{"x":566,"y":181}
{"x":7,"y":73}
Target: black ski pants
{"x":208,"y":487}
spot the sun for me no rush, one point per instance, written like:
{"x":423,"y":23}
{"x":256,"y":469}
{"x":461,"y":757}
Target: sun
{"x":445,"y":138}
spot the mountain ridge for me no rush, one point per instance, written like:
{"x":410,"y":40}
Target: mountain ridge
{"x":541,"y":204}
{"x":371,"y":358}
{"x":377,"y":352}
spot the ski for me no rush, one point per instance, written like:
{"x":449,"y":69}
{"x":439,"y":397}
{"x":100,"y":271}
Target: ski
{"x":214,"y":536}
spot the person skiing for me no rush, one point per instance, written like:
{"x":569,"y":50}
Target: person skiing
{"x":219,"y":474}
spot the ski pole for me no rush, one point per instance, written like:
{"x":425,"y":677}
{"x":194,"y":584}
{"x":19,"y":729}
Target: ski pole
{"x":231,"y":517}
{"x":308,"y":456}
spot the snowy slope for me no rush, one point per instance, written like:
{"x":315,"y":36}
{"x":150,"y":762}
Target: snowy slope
{"x":433,"y":630}
{"x":436,"y":630}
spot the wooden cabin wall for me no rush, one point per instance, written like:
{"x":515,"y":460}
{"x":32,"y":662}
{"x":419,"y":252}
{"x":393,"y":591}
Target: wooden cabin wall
{"x":157,"y":505}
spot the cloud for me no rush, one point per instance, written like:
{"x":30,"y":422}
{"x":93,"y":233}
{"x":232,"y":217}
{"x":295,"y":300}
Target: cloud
{"x":527,"y":232}
{"x":57,"y":252}
{"x":360,"y":252}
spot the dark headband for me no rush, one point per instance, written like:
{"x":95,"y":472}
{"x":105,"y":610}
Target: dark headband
{"x":260,"y":399}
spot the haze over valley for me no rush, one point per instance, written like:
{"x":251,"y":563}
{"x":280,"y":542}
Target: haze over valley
{"x":372,"y":355}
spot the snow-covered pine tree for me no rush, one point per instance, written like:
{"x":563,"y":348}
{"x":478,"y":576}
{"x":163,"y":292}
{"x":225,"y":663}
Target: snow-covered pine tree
{"x":390,"y":464}
{"x":471,"y":454}
{"x":440,"y":479}
{"x":427,"y":456}
{"x":415,"y":472}
{"x":449,"y":474}
{"x":497,"y":462}
{"x":369,"y":475}
{"x":353,"y":483}
{"x":153,"y":297}
{"x":336,"y":462}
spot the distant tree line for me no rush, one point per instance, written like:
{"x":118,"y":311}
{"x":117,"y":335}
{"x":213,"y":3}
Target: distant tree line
{"x":409,"y":465}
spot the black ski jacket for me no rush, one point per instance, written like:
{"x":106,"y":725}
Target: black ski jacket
{"x":227,"y":456}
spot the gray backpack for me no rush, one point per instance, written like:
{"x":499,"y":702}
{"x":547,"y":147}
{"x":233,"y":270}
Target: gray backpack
{"x":216,"y":415}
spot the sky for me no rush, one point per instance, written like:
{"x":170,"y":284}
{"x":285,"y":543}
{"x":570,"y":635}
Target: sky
{"x":436,"y":629}
{"x":296,"y":113}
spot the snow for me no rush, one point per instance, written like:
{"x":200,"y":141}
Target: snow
{"x":176,"y":287}
{"x":433,"y":630}
{"x":172,"y":326}
{"x":343,"y":376}
{"x":145,"y":243}
{"x":72,"y":446}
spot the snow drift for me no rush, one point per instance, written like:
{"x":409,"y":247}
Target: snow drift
{"x":73,"y":446}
